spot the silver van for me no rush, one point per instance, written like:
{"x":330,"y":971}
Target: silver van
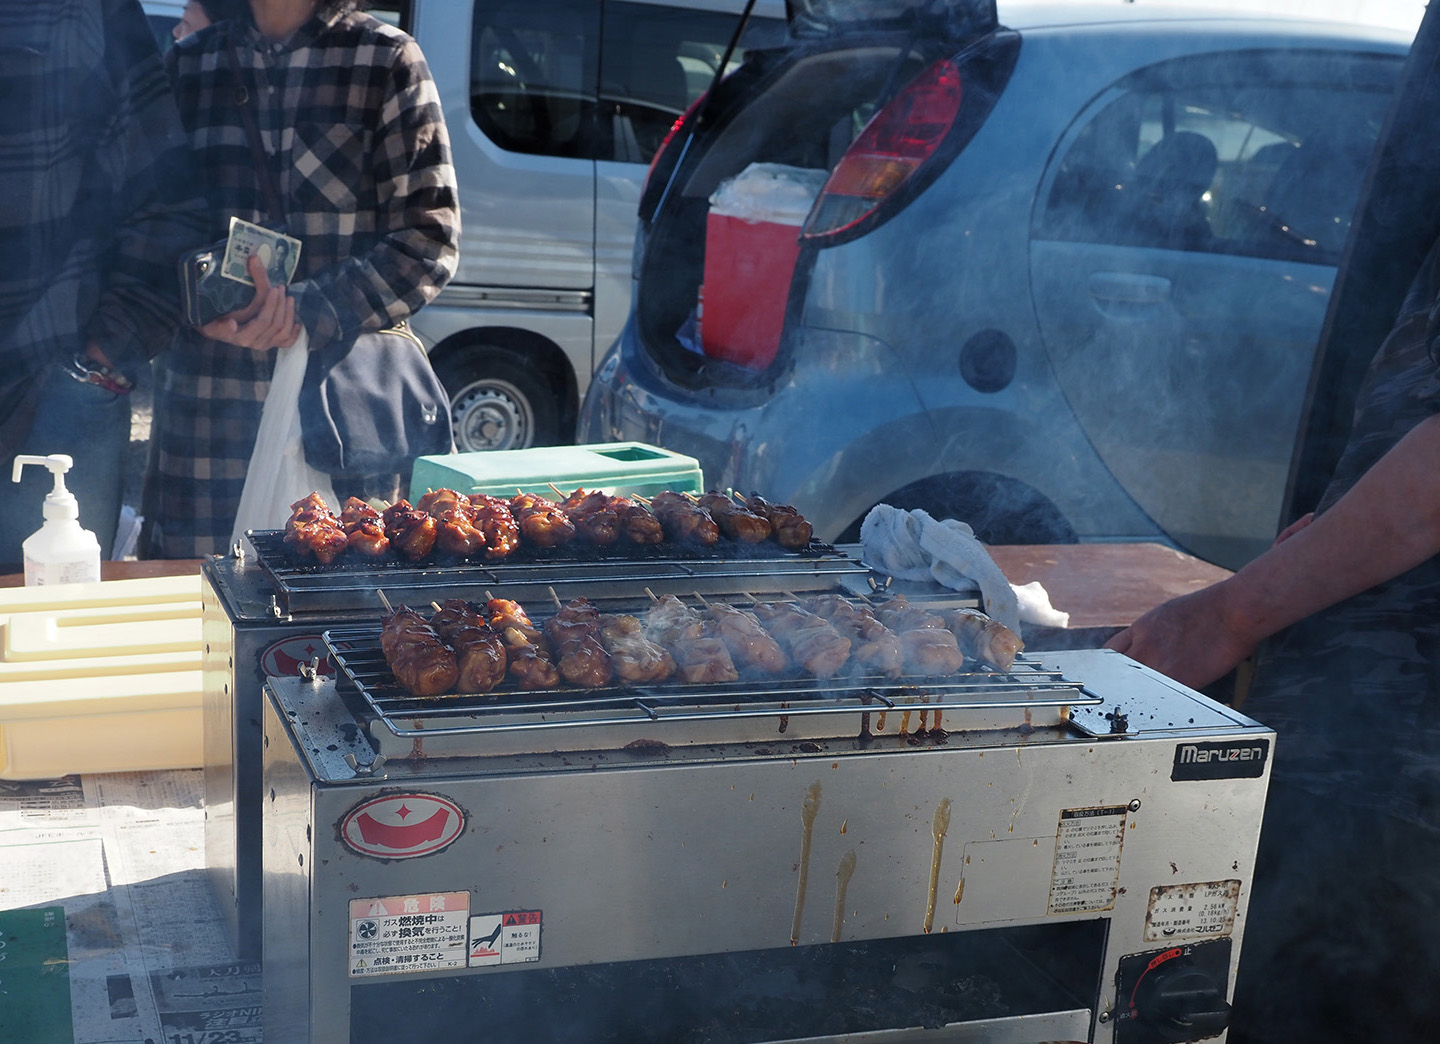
{"x":555,"y":108}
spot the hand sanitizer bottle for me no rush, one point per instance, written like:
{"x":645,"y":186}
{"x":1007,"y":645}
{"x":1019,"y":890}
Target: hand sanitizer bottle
{"x":59,"y":552}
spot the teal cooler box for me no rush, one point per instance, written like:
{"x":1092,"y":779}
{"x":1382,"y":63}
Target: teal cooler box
{"x":621,"y":468}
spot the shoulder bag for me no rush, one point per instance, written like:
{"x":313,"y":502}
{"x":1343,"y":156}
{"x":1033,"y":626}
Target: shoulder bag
{"x":369,"y":406}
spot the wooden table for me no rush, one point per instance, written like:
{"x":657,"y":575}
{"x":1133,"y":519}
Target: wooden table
{"x":1103,"y":587}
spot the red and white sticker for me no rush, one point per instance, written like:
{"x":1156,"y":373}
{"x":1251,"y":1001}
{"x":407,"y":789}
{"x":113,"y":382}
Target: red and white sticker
{"x":283,"y":658}
{"x":393,"y":934}
{"x":402,"y":826}
{"x":505,"y":938}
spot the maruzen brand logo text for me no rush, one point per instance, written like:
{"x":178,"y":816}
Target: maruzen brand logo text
{"x":1232,"y":759}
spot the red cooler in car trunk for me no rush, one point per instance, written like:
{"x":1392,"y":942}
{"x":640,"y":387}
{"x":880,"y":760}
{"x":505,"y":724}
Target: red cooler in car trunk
{"x":752,"y":238}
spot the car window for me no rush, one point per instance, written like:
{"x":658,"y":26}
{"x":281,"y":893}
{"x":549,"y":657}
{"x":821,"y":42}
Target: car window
{"x":1264,"y":161}
{"x":591,"y":81}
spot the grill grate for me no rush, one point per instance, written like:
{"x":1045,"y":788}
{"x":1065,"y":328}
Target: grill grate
{"x":351,"y":581}
{"x":754,"y":709}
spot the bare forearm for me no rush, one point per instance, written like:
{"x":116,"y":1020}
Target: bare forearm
{"x":1388,"y":523}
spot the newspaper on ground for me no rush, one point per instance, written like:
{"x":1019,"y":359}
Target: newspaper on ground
{"x":109,"y":928}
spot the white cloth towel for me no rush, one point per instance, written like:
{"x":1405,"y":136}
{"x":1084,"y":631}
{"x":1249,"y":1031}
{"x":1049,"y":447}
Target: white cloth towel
{"x":913,"y":545}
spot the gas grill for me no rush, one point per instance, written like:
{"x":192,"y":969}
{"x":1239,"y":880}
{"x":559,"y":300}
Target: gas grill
{"x":1059,"y":852}
{"x":264,"y":614}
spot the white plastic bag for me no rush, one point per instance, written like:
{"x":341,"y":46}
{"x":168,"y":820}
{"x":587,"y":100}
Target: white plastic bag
{"x":278,"y":475}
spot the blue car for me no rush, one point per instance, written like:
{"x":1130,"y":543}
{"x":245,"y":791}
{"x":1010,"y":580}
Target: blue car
{"x":1060,"y":270}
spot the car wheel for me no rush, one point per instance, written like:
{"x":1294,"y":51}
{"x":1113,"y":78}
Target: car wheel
{"x":498,"y":402}
{"x":998,"y":509}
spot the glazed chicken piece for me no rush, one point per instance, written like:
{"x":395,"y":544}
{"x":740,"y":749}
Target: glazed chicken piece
{"x":811,"y":642}
{"x":416,"y":655}
{"x":873,"y":645}
{"x":790,"y":529}
{"x":749,"y":643}
{"x":574,"y":634}
{"x":492,"y":517}
{"x":479,"y":652}
{"x":636,"y":659}
{"x":735,"y":521}
{"x":983,"y":638}
{"x":596,"y":521}
{"x":411,"y":532}
{"x":683,"y":520}
{"x":312,"y":530}
{"x":541,"y":521}
{"x":529,"y":662}
{"x":701,"y":657}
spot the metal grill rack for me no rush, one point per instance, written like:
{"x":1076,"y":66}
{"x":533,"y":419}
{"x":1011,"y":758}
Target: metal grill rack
{"x":351,"y":581}
{"x":792,"y":708}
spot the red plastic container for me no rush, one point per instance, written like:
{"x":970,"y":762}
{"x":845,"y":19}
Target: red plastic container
{"x":748,"y":267}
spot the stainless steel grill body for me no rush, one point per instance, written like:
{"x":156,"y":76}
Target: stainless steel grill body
{"x":264,"y":613}
{"x":1071,"y":855}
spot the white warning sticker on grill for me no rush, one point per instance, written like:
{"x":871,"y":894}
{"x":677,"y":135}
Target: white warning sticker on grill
{"x":409,"y":933}
{"x":1087,"y":859}
{"x":505,"y":938}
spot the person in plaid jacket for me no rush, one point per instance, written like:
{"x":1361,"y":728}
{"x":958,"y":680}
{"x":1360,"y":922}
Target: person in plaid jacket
{"x":353,"y":134}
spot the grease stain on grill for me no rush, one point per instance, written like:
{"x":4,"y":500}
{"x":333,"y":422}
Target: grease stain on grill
{"x":648,"y":748}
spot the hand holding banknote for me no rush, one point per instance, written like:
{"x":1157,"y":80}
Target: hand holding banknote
{"x":266,"y":260}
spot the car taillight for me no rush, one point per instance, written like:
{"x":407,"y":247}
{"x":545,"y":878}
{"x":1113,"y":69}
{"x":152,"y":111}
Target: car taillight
{"x":892,"y":147}
{"x":670,"y":136}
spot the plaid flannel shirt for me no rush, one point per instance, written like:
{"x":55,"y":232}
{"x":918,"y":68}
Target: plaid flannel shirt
{"x":351,"y":124}
{"x":96,"y":191}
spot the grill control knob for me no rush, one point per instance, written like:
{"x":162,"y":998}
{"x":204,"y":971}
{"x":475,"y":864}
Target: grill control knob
{"x":1183,"y":1002}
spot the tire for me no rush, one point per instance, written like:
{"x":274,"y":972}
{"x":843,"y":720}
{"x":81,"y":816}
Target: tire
{"x":999,"y":510}
{"x":498,"y":401}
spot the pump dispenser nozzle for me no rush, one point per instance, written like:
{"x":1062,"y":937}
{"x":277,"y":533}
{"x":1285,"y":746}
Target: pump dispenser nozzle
{"x":60,"y":503}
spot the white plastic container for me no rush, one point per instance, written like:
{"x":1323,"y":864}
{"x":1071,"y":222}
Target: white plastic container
{"x":59,"y":552}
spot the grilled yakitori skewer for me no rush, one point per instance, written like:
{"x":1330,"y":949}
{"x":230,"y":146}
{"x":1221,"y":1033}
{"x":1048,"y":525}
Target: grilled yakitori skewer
{"x":984,"y":638}
{"x":735,"y":520}
{"x":872,"y":643}
{"x":415,"y":653}
{"x":541,"y":521}
{"x":636,"y":659}
{"x":750,"y":645}
{"x":364,"y":532}
{"x":595,"y":520}
{"x":701,"y":657}
{"x":411,"y":532}
{"x":574,"y":633}
{"x":493,"y":518}
{"x":479,"y":651}
{"x":455,"y":529}
{"x":930,"y":647}
{"x":811,"y":642}
{"x":790,"y":529}
{"x":530,"y":664}
{"x":683,"y":520}
{"x":313,"y":529}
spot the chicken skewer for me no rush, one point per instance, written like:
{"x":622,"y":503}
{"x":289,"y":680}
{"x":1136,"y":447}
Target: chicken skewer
{"x":479,"y":652}
{"x":313,"y":529}
{"x":929,"y":647}
{"x":417,"y":657}
{"x":872,"y":643}
{"x":735,"y":521}
{"x":811,"y":642}
{"x":750,"y":645}
{"x":528,"y":660}
{"x":574,"y":633}
{"x":364,"y":532}
{"x":701,"y":657}
{"x":983,"y":638}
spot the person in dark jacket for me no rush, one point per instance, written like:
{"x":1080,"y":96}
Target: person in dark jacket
{"x":98,"y":206}
{"x":1344,"y":912}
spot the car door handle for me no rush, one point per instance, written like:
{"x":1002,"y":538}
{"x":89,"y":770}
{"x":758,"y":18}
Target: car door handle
{"x":1128,"y":289}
